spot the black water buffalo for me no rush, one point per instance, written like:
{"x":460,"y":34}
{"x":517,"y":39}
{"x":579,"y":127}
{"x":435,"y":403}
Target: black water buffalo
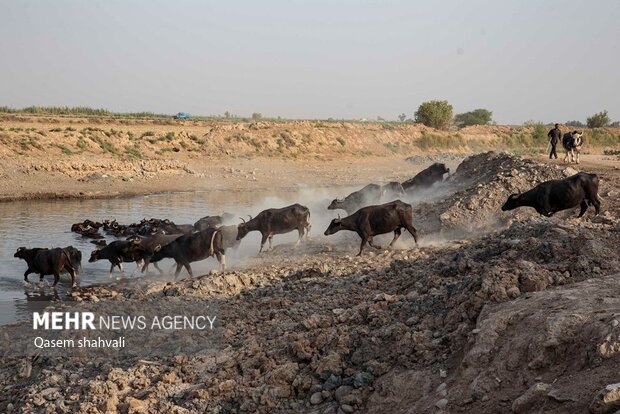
{"x":212,"y":221}
{"x":150,"y":245}
{"x":47,"y":262}
{"x":374,"y":220}
{"x":426,"y":178}
{"x":229,"y":236}
{"x":191,"y":248}
{"x":392,"y":190}
{"x":119,"y":252}
{"x":87,"y":228}
{"x":552,"y":196}
{"x":76,"y":257}
{"x":370,"y":194}
{"x":277,"y":221}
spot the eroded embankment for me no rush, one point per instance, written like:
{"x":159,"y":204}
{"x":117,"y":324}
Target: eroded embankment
{"x":521,"y":319}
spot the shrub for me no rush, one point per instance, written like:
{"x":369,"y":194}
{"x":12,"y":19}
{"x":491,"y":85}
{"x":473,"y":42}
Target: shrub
{"x":257,"y":115}
{"x":433,"y":141}
{"x":598,"y":120}
{"x":539,"y":130}
{"x":576,"y":124}
{"x":435,"y":114}
{"x":476,"y":117}
{"x":81,"y":144}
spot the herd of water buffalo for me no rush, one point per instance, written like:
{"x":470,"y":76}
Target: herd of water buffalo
{"x":150,"y":241}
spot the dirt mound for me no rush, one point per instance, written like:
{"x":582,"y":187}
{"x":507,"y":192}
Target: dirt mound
{"x":470,"y":200}
{"x":330,"y":334}
{"x":524,"y":318}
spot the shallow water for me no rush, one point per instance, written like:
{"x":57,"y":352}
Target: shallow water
{"x":47,"y":223}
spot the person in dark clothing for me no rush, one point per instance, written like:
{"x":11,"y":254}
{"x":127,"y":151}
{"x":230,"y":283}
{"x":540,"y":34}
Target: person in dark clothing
{"x":554,"y":137}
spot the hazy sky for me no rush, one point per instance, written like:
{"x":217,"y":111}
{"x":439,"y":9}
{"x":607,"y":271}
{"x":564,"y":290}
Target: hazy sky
{"x":522,"y":59}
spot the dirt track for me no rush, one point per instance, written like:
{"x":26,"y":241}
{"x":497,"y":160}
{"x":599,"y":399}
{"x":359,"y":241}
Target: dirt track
{"x":494,"y":312}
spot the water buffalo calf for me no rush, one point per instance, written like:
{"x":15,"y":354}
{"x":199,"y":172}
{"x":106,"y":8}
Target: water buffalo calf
{"x":373,"y":220}
{"x":47,"y":262}
{"x":552,"y":196}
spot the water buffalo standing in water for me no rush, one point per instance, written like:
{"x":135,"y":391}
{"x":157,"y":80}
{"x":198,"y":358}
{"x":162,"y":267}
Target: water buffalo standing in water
{"x":277,"y":221}
{"x":118,"y":252}
{"x":47,"y":262}
{"x":370,"y":221}
{"x":552,"y":196}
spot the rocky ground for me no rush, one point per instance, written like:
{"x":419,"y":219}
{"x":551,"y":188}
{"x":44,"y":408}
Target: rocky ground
{"x":493,"y":312}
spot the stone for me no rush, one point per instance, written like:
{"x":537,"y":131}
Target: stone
{"x":332,"y":382}
{"x":441,"y":404}
{"x":530,"y":398}
{"x":316,"y":398}
{"x":342,"y":391}
{"x":606,"y":400}
{"x":49,"y":393}
{"x":346,"y":408}
{"x":362,"y":379}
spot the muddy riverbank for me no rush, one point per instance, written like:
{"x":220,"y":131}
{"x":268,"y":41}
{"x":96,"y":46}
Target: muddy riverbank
{"x":491,"y":312}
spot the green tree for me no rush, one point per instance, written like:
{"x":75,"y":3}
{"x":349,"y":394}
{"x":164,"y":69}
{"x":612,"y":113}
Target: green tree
{"x":435,"y":114}
{"x":402,"y":117}
{"x":598,"y":120}
{"x":476,"y":117}
{"x":576,"y":124}
{"x":257,"y":115}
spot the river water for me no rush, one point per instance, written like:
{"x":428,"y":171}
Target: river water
{"x":47,"y":223}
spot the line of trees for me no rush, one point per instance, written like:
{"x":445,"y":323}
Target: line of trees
{"x":439,"y":114}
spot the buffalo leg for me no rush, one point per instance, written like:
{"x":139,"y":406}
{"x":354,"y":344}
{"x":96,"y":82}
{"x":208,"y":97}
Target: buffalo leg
{"x":270,"y":242}
{"x":308,"y":227}
{"x":396,"y":236}
{"x":412,"y":231}
{"x":111,"y":269}
{"x":362,"y":244}
{"x":301,"y":234}
{"x":189,"y":269}
{"x":26,"y":273}
{"x":179,"y":267}
{"x":221,"y":257}
{"x":73,"y":278}
{"x":372,"y":244}
{"x":121,"y":267}
{"x":584,"y":207}
{"x":158,"y":268}
{"x":262,"y":242}
{"x":596,"y":202}
{"x":41,"y":277}
{"x":56,"y":278}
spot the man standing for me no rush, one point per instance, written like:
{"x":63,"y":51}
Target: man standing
{"x":554,"y":137}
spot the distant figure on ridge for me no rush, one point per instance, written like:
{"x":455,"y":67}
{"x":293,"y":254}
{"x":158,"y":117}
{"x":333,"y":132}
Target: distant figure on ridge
{"x":554,"y":137}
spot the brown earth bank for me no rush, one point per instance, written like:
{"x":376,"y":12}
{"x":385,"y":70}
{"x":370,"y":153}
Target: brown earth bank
{"x":61,"y":157}
{"x":492,"y":312}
